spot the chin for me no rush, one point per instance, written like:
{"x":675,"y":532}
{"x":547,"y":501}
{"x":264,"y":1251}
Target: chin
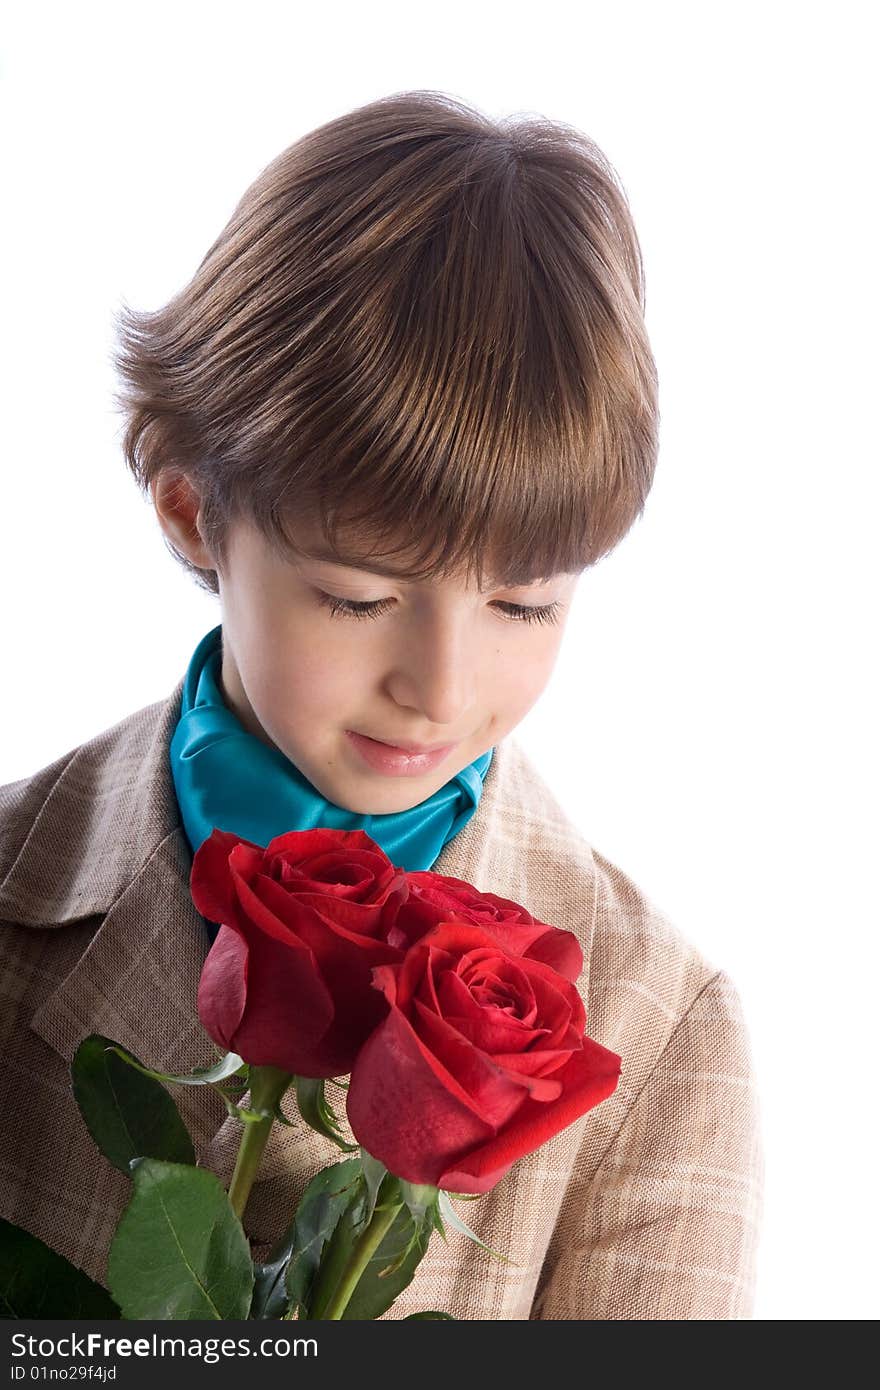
{"x":364,"y":805}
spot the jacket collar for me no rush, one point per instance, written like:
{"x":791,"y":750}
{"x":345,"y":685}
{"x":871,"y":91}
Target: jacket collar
{"x":104,"y":817}
{"x":108,"y":841}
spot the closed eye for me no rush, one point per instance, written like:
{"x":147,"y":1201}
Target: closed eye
{"x":544,"y":613}
{"x":519,"y":612}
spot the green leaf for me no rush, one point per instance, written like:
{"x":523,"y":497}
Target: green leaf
{"x":432,"y":1314}
{"x":287,"y":1277}
{"x":390,"y":1267}
{"x":374,"y":1173}
{"x":270,"y":1298}
{"x":422,"y":1200}
{"x":316,"y":1112}
{"x":246,"y":1113}
{"x":37,"y":1282}
{"x":438,"y":1221}
{"x":389,"y":1270}
{"x":218,"y":1071}
{"x":179,"y":1249}
{"x":127,"y":1113}
{"x":232,"y":1109}
{"x":230,"y":1065}
{"x":448,"y":1214}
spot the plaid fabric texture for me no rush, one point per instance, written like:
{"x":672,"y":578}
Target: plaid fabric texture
{"x":649,"y":1207}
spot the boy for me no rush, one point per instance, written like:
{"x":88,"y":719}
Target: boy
{"x":405,"y":401}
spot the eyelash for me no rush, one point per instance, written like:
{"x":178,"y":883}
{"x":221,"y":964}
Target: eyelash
{"x":547,"y":613}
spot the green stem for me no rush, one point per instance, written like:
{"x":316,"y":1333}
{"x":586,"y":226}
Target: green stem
{"x":365,"y":1247}
{"x":267,"y":1086}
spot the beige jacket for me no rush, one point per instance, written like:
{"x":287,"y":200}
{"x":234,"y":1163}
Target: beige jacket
{"x":647,"y":1207}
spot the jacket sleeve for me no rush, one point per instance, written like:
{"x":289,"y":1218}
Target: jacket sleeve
{"x":668,"y":1225}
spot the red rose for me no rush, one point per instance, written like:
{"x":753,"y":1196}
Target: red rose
{"x":481,"y":1058}
{"x":287,"y":981}
{"x":439,"y":897}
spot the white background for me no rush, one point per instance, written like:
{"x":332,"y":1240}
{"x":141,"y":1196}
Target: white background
{"x":711,"y":724}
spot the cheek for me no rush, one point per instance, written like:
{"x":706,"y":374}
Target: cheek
{"x":526,"y":668}
{"x":303,"y":676}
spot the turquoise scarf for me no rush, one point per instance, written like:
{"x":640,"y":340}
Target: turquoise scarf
{"x":226,"y":777}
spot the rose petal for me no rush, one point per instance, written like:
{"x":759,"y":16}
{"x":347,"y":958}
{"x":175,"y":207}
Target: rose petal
{"x":493,"y":980}
{"x":498,"y":1034}
{"x":492,"y":1029}
{"x":491,"y":1090}
{"x":559,"y":949}
{"x":210,"y":879}
{"x":359,"y":923}
{"x":347,"y":881}
{"x":539,"y":1061}
{"x":300,"y":845}
{"x":288,"y":1007}
{"x":257,"y":918}
{"x":223,"y":987}
{"x":405,"y":1109}
{"x":589,"y":1078}
{"x":509,"y":922}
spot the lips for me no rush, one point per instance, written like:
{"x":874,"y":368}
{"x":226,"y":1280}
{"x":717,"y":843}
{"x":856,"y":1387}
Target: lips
{"x":392,"y":759}
{"x":409,"y":747}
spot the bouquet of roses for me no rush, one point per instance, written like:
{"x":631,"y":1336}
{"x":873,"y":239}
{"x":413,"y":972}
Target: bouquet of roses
{"x":452,"y":1012}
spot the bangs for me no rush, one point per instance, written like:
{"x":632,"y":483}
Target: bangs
{"x":507,"y":519}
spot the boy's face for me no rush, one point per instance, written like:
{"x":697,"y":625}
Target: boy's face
{"x":441,"y":663}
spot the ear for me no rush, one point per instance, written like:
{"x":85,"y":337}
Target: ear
{"x":177,"y":503}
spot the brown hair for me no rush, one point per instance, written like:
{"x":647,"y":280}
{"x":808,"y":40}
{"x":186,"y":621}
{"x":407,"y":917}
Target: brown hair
{"x":421,"y":321}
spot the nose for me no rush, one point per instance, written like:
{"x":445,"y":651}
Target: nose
{"x":436,"y":672}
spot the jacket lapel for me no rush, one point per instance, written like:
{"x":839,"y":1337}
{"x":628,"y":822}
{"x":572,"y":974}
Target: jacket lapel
{"x":107,"y":842}
{"x":137,"y":980}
